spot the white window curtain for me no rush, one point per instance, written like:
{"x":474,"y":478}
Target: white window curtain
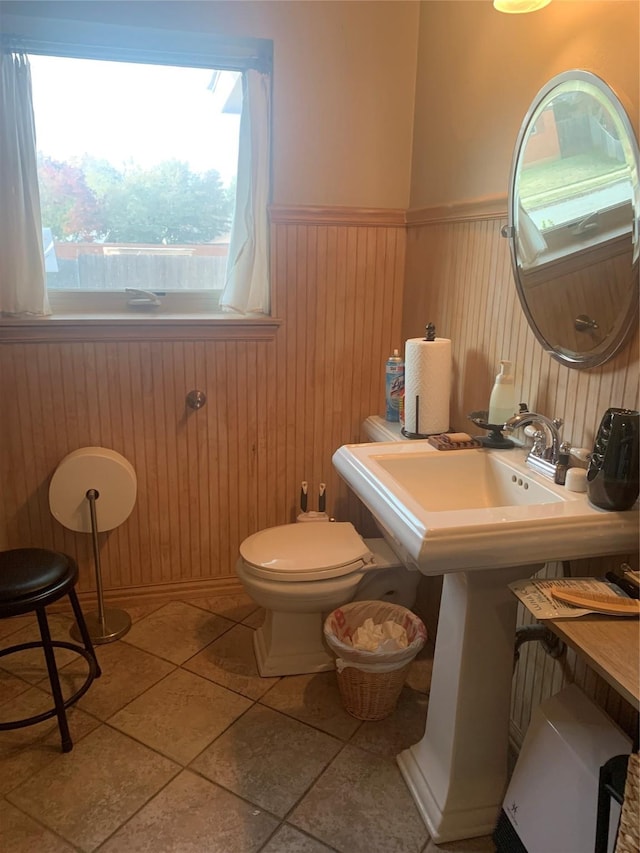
{"x":246,"y":289}
{"x":22,"y":275}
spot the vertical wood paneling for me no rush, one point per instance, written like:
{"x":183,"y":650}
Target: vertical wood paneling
{"x":459,"y":276}
{"x":276,"y":412}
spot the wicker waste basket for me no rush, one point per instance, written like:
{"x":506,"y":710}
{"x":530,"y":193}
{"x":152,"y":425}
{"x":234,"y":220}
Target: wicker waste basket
{"x":370,"y":682}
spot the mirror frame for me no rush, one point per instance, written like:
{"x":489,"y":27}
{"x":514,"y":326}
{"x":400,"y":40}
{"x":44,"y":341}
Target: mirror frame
{"x":627,"y":326}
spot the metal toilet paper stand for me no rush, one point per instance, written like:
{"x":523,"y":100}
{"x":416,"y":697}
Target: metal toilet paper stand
{"x":92,"y":482}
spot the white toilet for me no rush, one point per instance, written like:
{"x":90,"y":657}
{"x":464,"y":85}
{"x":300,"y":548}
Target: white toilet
{"x":301,"y":572}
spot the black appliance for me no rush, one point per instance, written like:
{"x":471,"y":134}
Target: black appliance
{"x":613,"y":475}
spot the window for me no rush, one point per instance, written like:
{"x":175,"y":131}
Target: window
{"x":142,"y":167}
{"x":137,"y":173}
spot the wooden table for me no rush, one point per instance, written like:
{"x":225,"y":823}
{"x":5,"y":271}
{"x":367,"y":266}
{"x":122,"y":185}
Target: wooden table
{"x":610,"y":645}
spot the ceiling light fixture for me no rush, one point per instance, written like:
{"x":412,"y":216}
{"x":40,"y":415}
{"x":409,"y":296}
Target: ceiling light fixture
{"x":519,"y":7}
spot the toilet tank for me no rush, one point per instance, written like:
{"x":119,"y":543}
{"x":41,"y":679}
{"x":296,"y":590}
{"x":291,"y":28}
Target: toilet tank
{"x":390,"y":580}
{"x":376,"y":428}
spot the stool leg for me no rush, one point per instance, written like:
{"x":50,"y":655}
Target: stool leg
{"x":67,"y":743}
{"x":604,"y":804}
{"x":82,"y":627}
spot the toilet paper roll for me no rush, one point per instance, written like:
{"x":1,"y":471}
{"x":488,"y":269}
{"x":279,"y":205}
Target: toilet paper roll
{"x":427,"y":385}
{"x":99,"y":468}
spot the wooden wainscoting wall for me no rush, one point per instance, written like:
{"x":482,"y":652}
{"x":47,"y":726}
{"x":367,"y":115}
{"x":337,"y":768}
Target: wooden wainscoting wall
{"x":277,"y":409}
{"x":459,"y":277}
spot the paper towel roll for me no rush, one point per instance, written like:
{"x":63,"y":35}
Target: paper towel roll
{"x":99,"y":468}
{"x":427,"y":385}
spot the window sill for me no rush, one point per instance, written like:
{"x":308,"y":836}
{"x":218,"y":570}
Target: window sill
{"x":140,"y":327}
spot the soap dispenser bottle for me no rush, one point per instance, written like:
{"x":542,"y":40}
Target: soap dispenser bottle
{"x":502,"y":403}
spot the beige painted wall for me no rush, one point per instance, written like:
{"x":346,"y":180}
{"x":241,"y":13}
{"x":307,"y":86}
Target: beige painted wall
{"x":343,"y":86}
{"x":479,"y":70}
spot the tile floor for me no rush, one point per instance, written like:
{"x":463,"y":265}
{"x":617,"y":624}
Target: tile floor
{"x":181,"y":747}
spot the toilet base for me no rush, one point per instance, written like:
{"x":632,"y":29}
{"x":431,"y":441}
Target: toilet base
{"x":291,"y":644}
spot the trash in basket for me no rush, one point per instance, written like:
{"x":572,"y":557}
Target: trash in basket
{"x":370,"y":681}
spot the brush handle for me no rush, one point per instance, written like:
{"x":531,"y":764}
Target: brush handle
{"x":614,"y":605}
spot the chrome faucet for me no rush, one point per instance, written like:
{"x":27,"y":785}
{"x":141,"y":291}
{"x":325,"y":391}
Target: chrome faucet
{"x":543,"y":457}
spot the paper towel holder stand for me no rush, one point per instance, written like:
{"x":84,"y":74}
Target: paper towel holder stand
{"x":418,"y":435}
{"x":430,"y":335}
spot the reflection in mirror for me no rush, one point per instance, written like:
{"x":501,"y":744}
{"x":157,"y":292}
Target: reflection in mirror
{"x":574,"y":207}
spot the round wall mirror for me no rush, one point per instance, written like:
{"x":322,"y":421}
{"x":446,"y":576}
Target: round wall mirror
{"x":573,"y":220}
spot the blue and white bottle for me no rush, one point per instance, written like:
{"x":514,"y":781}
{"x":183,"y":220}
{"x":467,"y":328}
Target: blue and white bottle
{"x":394,"y":386}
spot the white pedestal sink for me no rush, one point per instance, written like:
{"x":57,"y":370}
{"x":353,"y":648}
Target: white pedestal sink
{"x":483,"y":519}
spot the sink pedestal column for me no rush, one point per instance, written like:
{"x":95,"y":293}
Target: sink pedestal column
{"x":457,"y":773}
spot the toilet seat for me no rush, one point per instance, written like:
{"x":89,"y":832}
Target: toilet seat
{"x":305,"y":552}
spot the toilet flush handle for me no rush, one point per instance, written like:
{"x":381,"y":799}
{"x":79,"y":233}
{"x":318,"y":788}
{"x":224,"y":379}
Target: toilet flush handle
{"x":322,"y":500}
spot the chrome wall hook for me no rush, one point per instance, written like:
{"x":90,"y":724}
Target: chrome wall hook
{"x":196,"y":399}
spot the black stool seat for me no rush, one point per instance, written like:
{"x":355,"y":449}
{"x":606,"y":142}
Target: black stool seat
{"x":26,"y":573}
{"x":31,"y":579}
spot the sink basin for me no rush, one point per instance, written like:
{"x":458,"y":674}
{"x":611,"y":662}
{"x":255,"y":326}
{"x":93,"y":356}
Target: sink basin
{"x":464,"y":510}
{"x":483,"y":519}
{"x":457,"y":480}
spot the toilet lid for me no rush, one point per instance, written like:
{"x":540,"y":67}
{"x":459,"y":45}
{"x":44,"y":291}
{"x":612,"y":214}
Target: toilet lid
{"x":305,"y":551}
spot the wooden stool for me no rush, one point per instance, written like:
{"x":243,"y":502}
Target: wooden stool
{"x":31,"y":579}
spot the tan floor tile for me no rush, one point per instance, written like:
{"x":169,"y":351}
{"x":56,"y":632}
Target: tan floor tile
{"x":25,"y":751}
{"x":11,"y":686}
{"x":288,"y":839}
{"x":230,"y":661}
{"x":180,"y":715}
{"x":255,"y":619}
{"x":192,"y":815}
{"x":30,"y":664}
{"x":126,"y":673}
{"x":15,"y":623}
{"x":358,"y":798}
{"x":21,"y":834}
{"x":88,"y":793}
{"x":268,"y":758}
{"x":176,"y":631}
{"x":251,"y":755}
{"x":139,"y":611}
{"x":400,"y":730}
{"x":313,"y":699}
{"x":235,"y":606}
{"x":482,"y":844}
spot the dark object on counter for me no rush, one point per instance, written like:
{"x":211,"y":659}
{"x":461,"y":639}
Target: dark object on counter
{"x":495,"y":439}
{"x":562,"y":467}
{"x":613,"y":478}
{"x":626,"y":579}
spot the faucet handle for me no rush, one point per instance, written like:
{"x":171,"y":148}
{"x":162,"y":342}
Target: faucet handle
{"x":558,"y":422}
{"x":539,"y":443}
